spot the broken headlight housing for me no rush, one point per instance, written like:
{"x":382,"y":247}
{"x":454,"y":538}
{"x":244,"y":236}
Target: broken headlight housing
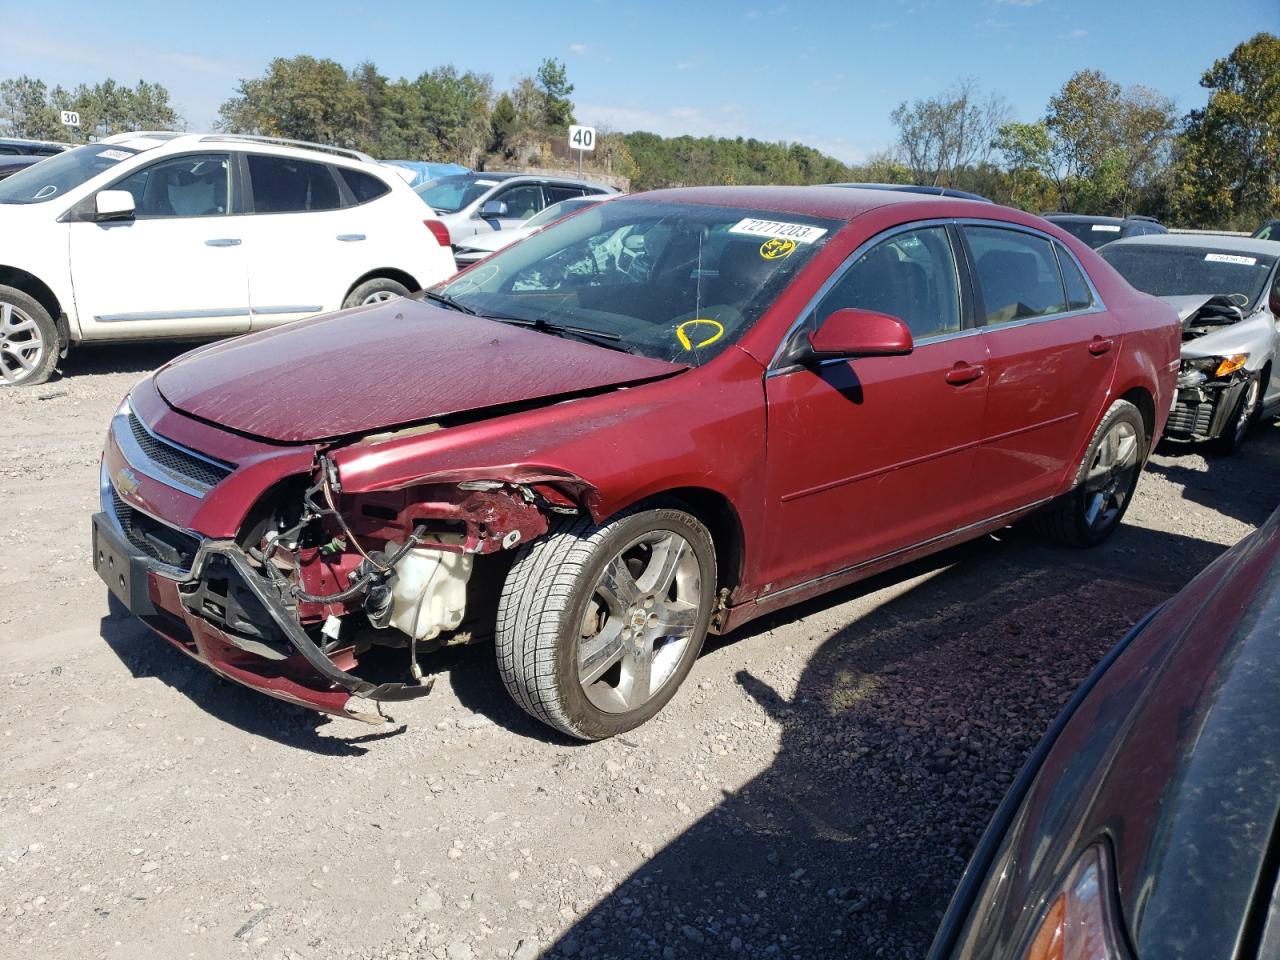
{"x":1200,"y":370}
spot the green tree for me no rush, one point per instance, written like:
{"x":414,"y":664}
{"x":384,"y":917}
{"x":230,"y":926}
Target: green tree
{"x":1228,"y":164}
{"x":300,"y":98}
{"x":943,"y":136}
{"x":503,"y":122}
{"x":553,"y":81}
{"x":25,"y":110}
{"x":1025,"y":148}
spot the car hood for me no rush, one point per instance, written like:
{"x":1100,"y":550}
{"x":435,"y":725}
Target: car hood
{"x":1188,"y":305}
{"x":498,"y":239}
{"x":386,"y":365}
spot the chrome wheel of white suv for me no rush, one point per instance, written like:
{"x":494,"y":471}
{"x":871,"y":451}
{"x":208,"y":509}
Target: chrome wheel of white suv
{"x":28,"y":339}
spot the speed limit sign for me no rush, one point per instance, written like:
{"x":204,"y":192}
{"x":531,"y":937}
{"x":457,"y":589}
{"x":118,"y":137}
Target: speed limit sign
{"x":70,"y":118}
{"x":582,"y":138}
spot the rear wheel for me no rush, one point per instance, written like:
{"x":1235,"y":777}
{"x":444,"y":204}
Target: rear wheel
{"x":1236,"y":429}
{"x":29,"y":341}
{"x":376,"y":290}
{"x":598,"y":625}
{"x":1104,"y":483}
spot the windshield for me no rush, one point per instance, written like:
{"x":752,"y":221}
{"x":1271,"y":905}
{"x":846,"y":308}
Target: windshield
{"x":1180,"y":271}
{"x":451,"y":194}
{"x":558,"y":210}
{"x":672,"y":281}
{"x":1094,"y":234}
{"x":54,"y":176}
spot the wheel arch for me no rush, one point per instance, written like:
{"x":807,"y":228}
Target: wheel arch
{"x":716,"y":512}
{"x":35,"y":288}
{"x":389,"y":273}
{"x":1141,"y":398}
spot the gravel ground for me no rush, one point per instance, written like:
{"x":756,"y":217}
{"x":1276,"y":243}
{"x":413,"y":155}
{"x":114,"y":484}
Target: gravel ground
{"x":814,"y":791}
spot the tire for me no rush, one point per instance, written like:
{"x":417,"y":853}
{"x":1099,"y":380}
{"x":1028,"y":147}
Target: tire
{"x":559,"y":615}
{"x":1100,"y":493}
{"x":29,"y":340}
{"x":373,"y":291}
{"x":1242,"y":418}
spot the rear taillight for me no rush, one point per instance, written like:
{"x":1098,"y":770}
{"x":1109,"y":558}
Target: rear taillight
{"x":439,"y":231}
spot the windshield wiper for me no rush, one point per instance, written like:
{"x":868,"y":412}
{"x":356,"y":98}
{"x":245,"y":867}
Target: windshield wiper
{"x":447,"y":301}
{"x":601,"y":338}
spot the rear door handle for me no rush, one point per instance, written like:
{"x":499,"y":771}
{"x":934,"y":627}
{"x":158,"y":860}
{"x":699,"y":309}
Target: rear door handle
{"x":963,"y":373}
{"x":223,"y":242}
{"x":1100,"y":345}
{"x":350,"y":237}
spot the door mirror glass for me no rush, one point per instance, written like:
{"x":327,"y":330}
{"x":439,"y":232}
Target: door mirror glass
{"x":113,"y":205}
{"x":851,"y":332}
{"x":1273,"y":301}
{"x":493,"y":208}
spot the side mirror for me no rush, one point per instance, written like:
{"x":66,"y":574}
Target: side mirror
{"x":1273,"y":301}
{"x":113,"y":205}
{"x":860,"y":333}
{"x":493,"y":208}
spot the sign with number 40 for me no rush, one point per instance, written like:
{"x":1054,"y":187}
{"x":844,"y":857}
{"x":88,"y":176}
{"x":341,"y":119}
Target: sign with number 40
{"x":582,"y":138}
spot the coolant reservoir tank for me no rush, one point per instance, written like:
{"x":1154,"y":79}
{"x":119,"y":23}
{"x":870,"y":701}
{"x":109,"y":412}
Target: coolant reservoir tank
{"x":429,"y":592}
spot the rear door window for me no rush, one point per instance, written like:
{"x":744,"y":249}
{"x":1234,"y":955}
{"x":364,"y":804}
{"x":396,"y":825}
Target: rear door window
{"x":287,"y":185}
{"x":1017,"y":275}
{"x":911,"y":276}
{"x":555,"y":193}
{"x":522,"y":202}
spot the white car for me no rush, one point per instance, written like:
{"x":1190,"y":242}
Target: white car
{"x":478,"y":203}
{"x":198,"y":236}
{"x":479,"y":246}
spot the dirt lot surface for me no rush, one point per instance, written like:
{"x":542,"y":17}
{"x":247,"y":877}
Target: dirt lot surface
{"x":814,"y":790}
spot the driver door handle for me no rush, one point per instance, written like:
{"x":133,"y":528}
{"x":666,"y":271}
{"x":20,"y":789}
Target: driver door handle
{"x":963,"y":373}
{"x":351,"y":237}
{"x":223,"y":242}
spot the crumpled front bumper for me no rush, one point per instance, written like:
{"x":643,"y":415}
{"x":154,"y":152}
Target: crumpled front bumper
{"x":166,"y":598}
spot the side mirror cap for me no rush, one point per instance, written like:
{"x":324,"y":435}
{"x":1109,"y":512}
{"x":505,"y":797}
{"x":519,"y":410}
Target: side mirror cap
{"x":493,"y":208}
{"x":113,"y":205}
{"x":860,"y":333}
{"x":1273,"y":301}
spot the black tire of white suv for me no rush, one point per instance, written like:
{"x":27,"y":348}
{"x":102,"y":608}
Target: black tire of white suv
{"x":29,"y":340}
{"x":375,"y":291}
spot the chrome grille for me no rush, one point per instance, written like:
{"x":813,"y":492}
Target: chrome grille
{"x":174,"y":461}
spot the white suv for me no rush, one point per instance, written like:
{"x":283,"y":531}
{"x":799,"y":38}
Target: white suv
{"x":198,"y":236}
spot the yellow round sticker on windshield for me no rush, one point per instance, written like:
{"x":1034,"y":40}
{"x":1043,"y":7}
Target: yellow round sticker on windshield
{"x":688,"y":344}
{"x":776,"y":248}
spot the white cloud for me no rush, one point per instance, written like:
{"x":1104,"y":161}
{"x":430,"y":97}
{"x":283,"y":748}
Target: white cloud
{"x":1079,"y":33}
{"x":1018,"y":3}
{"x":578,"y":49}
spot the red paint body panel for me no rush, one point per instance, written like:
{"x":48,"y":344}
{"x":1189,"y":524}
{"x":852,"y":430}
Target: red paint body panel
{"x":832,"y":473}
{"x":389,"y":364}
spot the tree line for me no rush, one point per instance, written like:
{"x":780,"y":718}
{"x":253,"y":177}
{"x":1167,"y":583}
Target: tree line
{"x":1098,"y":148}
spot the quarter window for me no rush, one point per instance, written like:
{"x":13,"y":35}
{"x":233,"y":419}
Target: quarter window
{"x":188,"y":186}
{"x":286,"y":185}
{"x":911,"y":276}
{"x":364,"y":186}
{"x":1078,"y":295}
{"x":1017,"y":275}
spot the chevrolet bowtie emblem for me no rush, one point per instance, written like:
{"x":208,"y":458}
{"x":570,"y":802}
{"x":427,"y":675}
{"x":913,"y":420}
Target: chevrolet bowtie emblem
{"x":126,"y":482}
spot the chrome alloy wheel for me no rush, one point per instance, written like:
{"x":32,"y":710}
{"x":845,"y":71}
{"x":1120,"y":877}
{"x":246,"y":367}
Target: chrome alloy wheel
{"x":22,"y":345}
{"x":379,"y":296}
{"x":1110,"y":479}
{"x":639,"y":621}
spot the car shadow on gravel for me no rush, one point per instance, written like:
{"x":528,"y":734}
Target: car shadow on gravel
{"x":147,"y":655}
{"x":1243,"y":486}
{"x":907,"y":726}
{"x":136,"y":358}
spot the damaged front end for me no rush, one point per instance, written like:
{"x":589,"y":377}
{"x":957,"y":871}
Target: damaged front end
{"x":1214,"y":372}
{"x":326,"y":576}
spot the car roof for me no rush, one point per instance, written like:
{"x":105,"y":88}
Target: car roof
{"x":1081,"y":218}
{"x":1203,"y":241}
{"x":916,"y":188}
{"x":839,"y":203}
{"x":150,"y":139}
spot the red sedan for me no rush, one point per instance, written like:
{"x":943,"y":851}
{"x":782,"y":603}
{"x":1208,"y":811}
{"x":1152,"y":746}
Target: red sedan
{"x":663,"y":416}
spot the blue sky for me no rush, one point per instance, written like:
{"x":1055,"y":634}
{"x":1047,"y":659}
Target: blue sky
{"x":822,"y":73}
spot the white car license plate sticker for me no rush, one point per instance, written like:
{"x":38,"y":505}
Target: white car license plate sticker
{"x":1105,"y":228}
{"x":115,"y":154}
{"x":1231,"y":258}
{"x":799,"y":232}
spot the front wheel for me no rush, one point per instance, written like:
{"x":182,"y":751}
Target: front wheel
{"x":377,"y":290}
{"x":29,"y":341}
{"x":598,"y":625}
{"x":1105,"y":482}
